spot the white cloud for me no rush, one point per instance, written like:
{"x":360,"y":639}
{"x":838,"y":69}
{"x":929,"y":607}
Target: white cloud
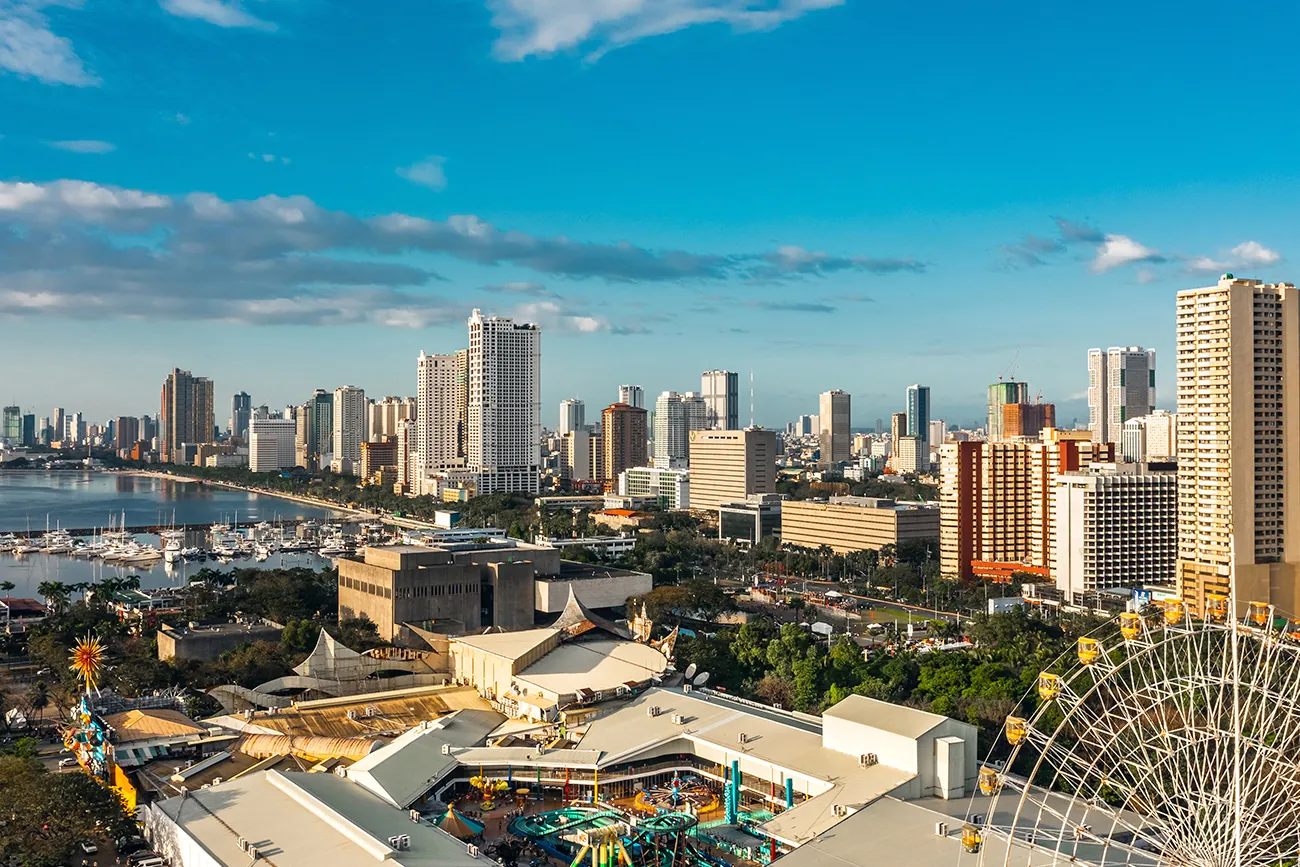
{"x":223,"y":13}
{"x":30,"y":49}
{"x":1118,"y":250}
{"x":78,"y":249}
{"x":544,"y":27}
{"x":428,"y":172}
{"x":182,"y":119}
{"x":84,"y":146}
{"x":1255,"y":253}
{"x":1247,"y":254}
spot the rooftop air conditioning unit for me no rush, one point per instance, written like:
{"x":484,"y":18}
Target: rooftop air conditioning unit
{"x":352,"y":713}
{"x":253,"y":853}
{"x":243,"y":844}
{"x":678,"y":719}
{"x":371,"y":710}
{"x":686,"y":687}
{"x":941,"y":829}
{"x":340,"y":771}
{"x":742,"y":738}
{"x":216,"y":781}
{"x":404,"y":842}
{"x":446,"y":749}
{"x":839,"y":810}
{"x":415,"y":815}
{"x":866,"y":760}
{"x":653,"y":710}
{"x":471,"y":850}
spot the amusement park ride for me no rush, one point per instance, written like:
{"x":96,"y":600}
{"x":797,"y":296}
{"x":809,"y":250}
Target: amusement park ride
{"x":1170,"y":739}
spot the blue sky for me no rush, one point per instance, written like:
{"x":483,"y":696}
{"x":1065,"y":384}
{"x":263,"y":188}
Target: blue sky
{"x":291,"y":194}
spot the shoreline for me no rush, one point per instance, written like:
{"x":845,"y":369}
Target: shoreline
{"x":409,"y":523}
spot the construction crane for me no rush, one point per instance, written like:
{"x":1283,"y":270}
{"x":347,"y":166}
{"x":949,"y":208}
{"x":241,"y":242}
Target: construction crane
{"x":1012,"y":367}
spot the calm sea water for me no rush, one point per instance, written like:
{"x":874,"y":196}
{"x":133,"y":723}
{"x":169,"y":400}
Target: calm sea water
{"x":82,"y":499}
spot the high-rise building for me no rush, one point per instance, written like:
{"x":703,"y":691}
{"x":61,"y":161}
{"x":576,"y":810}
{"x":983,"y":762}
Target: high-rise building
{"x":720,"y":390}
{"x":1238,"y":444}
{"x":126,"y":433}
{"x":1121,"y":386}
{"x":406,"y":455}
{"x":1150,"y":438}
{"x":11,"y":425}
{"x":670,"y":488}
{"x":59,"y":424}
{"x":503,"y":442}
{"x":462,"y":400}
{"x":386,"y":414}
{"x":696,"y":411}
{"x":672,"y":445}
{"x":1116,"y":526}
{"x":897,"y":430}
{"x":186,"y":414}
{"x":437,"y":420}
{"x":29,"y":430}
{"x":1001,"y":393}
{"x":728,"y":466}
{"x":321,"y":430}
{"x":573,"y":415}
{"x":806,"y":426}
{"x":43,"y":431}
{"x":623,"y":438}
{"x":349,"y":429}
{"x":918,"y":415}
{"x":911,"y":456}
{"x":997,"y":501}
{"x":577,"y":454}
{"x":1026,"y":419}
{"x":938,"y":432}
{"x":271,"y":444}
{"x":834,"y":416}
{"x":632,"y":395}
{"x":241,"y":408}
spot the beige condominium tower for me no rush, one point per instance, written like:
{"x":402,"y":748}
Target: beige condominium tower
{"x":1238,"y":473}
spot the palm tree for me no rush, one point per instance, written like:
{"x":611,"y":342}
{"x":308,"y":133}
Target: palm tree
{"x":7,"y":587}
{"x":38,"y":699}
{"x":56,"y":595}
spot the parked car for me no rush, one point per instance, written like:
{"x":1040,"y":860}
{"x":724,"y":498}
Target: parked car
{"x":89,"y":848}
{"x":127,"y":845}
{"x":67,"y":763}
{"x":135,"y":858}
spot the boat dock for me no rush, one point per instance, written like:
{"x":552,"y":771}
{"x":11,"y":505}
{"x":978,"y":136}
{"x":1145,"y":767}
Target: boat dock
{"x":159,"y":528}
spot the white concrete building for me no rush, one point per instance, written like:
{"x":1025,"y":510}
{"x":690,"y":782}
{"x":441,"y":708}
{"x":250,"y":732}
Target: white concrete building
{"x":271,"y":444}
{"x":504,"y":427}
{"x":835,"y":417}
{"x":670,"y":487}
{"x":720,"y":391}
{"x":632,"y":395}
{"x":671,"y":438}
{"x":912,"y":456}
{"x":1121,"y":386}
{"x":385,"y":416}
{"x":349,"y":428}
{"x":1116,"y":526}
{"x":573,"y":415}
{"x":437,"y":432}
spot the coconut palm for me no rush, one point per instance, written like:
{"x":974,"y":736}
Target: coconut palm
{"x":56,"y":595}
{"x":7,"y":587}
{"x":38,"y":699}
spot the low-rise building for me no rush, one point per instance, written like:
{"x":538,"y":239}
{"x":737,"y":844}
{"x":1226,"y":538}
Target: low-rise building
{"x":210,"y":640}
{"x":848,"y":524}
{"x":751,"y":521}
{"x":670,"y":488}
{"x":605,"y":546}
{"x":594,"y":585}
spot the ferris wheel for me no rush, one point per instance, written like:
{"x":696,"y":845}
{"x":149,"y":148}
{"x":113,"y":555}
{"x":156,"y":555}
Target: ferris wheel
{"x":1172,"y":740}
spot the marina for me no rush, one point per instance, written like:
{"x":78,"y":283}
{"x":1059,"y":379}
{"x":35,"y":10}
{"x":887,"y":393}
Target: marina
{"x":160,"y":530}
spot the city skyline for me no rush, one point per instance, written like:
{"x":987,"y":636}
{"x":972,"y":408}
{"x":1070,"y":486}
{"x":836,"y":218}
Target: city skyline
{"x":223,"y":223}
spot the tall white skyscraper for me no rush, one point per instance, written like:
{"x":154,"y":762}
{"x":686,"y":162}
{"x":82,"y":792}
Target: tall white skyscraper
{"x":632,"y":395}
{"x":349,"y":428}
{"x":1121,"y":386}
{"x":385,"y":414}
{"x":672,"y":443}
{"x":271,"y":444}
{"x":1238,"y":449}
{"x":573,"y":415}
{"x":503,"y":441}
{"x":720,"y":390}
{"x":437,"y":416}
{"x":696,"y":410}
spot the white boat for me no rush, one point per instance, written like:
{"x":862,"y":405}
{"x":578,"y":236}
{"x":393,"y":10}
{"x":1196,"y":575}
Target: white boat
{"x":140,"y":557}
{"x":26,"y":547}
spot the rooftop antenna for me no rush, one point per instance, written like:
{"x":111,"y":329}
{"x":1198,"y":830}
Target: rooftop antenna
{"x":751,"y":397}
